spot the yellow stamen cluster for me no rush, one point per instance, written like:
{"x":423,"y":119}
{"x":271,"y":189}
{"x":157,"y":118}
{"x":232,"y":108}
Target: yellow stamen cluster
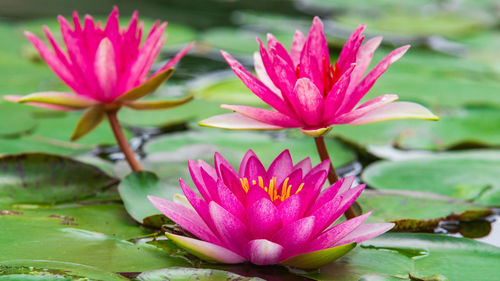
{"x":271,"y":188}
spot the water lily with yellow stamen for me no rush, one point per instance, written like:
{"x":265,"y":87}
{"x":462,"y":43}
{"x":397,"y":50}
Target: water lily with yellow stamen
{"x":279,"y":215}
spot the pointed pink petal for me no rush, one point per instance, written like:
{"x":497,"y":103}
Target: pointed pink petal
{"x":395,"y":111}
{"x":293,"y":236}
{"x":311,"y":68}
{"x":305,"y":165}
{"x":254,"y":169}
{"x":285,"y":78}
{"x":195,"y":171}
{"x":280,"y":167}
{"x":366,"y":84}
{"x":256,"y":86}
{"x":264,"y":252}
{"x":297,"y":45}
{"x":365,"y":231}
{"x":235,"y":121}
{"x":205,"y":250}
{"x":262,"y":74}
{"x":263,"y":219}
{"x":290,"y":209}
{"x":334,"y":190}
{"x":16,"y":98}
{"x":232,"y":181}
{"x":363,"y":60}
{"x":198,"y":204}
{"x":59,"y":68}
{"x":346,"y":185}
{"x":173,"y":61}
{"x":365,"y":108}
{"x":326,"y":215}
{"x":329,"y":238}
{"x":310,"y":101}
{"x":105,"y":68}
{"x":316,"y":42}
{"x":244,"y":162}
{"x":254,"y":194}
{"x":230,"y":202}
{"x":277,"y":49}
{"x":185,"y":217}
{"x":350,"y":50}
{"x":264,"y":115}
{"x":233,"y":233}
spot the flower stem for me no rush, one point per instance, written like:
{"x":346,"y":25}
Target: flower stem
{"x":122,"y":141}
{"x":332,"y":174}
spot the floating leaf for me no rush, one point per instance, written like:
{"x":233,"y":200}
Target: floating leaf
{"x":198,"y":274}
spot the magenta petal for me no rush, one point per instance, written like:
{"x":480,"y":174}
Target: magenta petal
{"x":262,"y":74}
{"x":365,"y":232}
{"x":304,"y":165}
{"x":205,"y":250}
{"x":230,"y":202}
{"x":256,"y":86}
{"x":233,"y":233}
{"x":335,"y":100}
{"x":264,"y":252}
{"x":263,"y":219}
{"x":105,"y":67}
{"x":264,"y":115}
{"x":254,"y":169}
{"x":197,"y":203}
{"x":293,"y":236}
{"x":351,"y":47}
{"x":185,"y":217}
{"x":281,"y":167}
{"x":310,"y":101}
{"x":297,"y":46}
{"x":365,"y":108}
{"x":316,"y":42}
{"x":346,"y":185}
{"x":255,"y":193}
{"x":277,"y":49}
{"x":196,"y":176}
{"x":395,"y":111}
{"x":336,"y":233}
{"x":363,"y":59}
{"x":244,"y":162}
{"x":327,"y":194}
{"x":327,"y":214}
{"x":290,"y":209}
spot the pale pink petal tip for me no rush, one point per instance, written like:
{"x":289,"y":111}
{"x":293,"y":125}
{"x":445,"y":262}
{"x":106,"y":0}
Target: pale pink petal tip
{"x":395,"y":111}
{"x":235,"y":121}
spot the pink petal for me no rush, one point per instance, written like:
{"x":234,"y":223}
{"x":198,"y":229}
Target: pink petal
{"x":233,"y":233}
{"x":264,"y":115}
{"x":235,"y":121}
{"x":263,"y":219}
{"x":365,"y":108}
{"x":346,"y":185}
{"x":232,"y":181}
{"x":262,"y":74}
{"x":198,"y":204}
{"x":395,"y":111}
{"x":230,"y":202}
{"x":290,"y":209}
{"x":105,"y":68}
{"x":195,"y":171}
{"x":316,"y":42}
{"x":254,"y":169}
{"x":297,"y":45}
{"x":326,"y":214}
{"x":16,"y":98}
{"x":310,"y":101}
{"x":185,"y":217}
{"x":254,"y":194}
{"x":281,"y":167}
{"x":173,"y":61}
{"x":264,"y":252}
{"x":293,"y":236}
{"x":277,"y":49}
{"x":285,"y":78}
{"x":365,"y":231}
{"x":366,"y":84}
{"x":305,"y":165}
{"x":244,"y":162}
{"x":349,"y":52}
{"x":363,"y":59}
{"x":205,"y":250}
{"x":256,"y":86}
{"x":58,"y":66}
{"x":330,"y":193}
{"x":350,"y":196}
{"x":336,"y":233}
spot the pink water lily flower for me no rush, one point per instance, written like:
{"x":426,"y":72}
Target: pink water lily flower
{"x":106,"y":67}
{"x":307,"y":91}
{"x":280,"y":215}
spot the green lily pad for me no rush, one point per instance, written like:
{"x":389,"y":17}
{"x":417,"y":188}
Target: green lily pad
{"x":37,"y":178}
{"x":58,"y":271}
{"x":134,"y":190}
{"x":470,"y":175}
{"x":27,"y":144}
{"x":233,"y":145}
{"x":475,"y":126}
{"x":418,"y":255}
{"x":45,"y":238}
{"x":201,"y":274}
{"x":19,"y":120}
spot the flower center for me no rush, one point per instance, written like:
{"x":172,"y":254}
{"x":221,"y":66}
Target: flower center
{"x":271,"y":188}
